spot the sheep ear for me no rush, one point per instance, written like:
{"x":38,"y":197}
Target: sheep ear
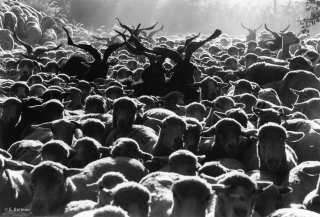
{"x":250,"y":132}
{"x":296,"y":92}
{"x":220,"y":115}
{"x":294,"y":136}
{"x":145,"y":156}
{"x":208,"y":133}
{"x":207,"y":103}
{"x":43,"y":125}
{"x":284,"y":190}
{"x":71,"y":171}
{"x":94,"y":187}
{"x":105,"y":151}
{"x":262,"y":186}
{"x":197,"y":84}
{"x":5,"y":154}
{"x":222,"y":84}
{"x":209,"y":179}
{"x":219,"y":188}
{"x":312,"y":170}
{"x":239,"y":105}
{"x":201,"y":157}
{"x":76,"y":124}
{"x":257,"y":111}
{"x":233,"y":83}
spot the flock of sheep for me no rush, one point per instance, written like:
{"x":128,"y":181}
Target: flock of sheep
{"x":133,"y":124}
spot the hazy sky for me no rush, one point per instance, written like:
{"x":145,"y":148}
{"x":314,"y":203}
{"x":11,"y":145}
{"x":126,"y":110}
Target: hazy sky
{"x":204,"y":16}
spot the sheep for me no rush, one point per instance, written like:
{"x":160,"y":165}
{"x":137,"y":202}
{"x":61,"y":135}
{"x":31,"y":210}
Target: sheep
{"x":227,"y":142}
{"x":25,"y":150}
{"x":132,"y":197}
{"x":76,"y":101}
{"x":288,"y":39}
{"x":307,"y":149}
{"x":300,"y":62}
{"x":15,"y":183}
{"x":47,"y":200}
{"x":99,"y":67}
{"x":62,"y":129}
{"x":191,"y":197}
{"x":55,"y":150}
{"x":170,"y":136}
{"x":107,"y":181}
{"x":236,"y":194}
{"x":158,"y":113}
{"x":124,"y":115}
{"x":248,"y":100}
{"x":242,"y":86}
{"x":210,"y":87}
{"x":273,"y":153}
{"x":292,"y":212}
{"x":20,"y":90}
{"x":270,"y":95}
{"x":106,"y":211}
{"x":191,"y":137}
{"x":302,"y":180}
{"x":309,"y":108}
{"x":268,"y":115}
{"x":237,"y":114}
{"x":86,"y":151}
{"x":127,"y":147}
{"x":264,"y":73}
{"x":273,"y":196}
{"x":213,"y":169}
{"x":95,"y":129}
{"x":11,"y":110}
{"x":95,"y":104}
{"x":172,"y":100}
{"x":311,"y":201}
{"x":297,"y":80}
{"x":306,"y":94}
{"x":6,"y":41}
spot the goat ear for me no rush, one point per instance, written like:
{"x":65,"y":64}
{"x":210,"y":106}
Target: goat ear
{"x":5,"y":154}
{"x":262,"y":186}
{"x":208,"y":133}
{"x":294,"y":136}
{"x":222,"y":84}
{"x":71,"y":171}
{"x":250,"y":132}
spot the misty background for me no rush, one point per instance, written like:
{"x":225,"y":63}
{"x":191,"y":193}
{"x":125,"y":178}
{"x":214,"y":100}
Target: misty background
{"x":181,"y":16}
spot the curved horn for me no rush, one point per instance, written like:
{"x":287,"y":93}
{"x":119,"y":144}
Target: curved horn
{"x":130,"y":47}
{"x":99,"y":38}
{"x":151,"y":34}
{"x":276,"y":35}
{"x":40,"y":51}
{"x":110,"y":50}
{"x":27,"y":46}
{"x":151,"y":27}
{"x":89,"y":48}
{"x":258,"y":28}
{"x":125,"y":26}
{"x":285,"y":29}
{"x":168,"y":53}
{"x":188,"y":41}
{"x":193,"y":46}
{"x":244,"y":27}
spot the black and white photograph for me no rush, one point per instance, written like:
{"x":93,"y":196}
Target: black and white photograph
{"x":159,"y":108}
